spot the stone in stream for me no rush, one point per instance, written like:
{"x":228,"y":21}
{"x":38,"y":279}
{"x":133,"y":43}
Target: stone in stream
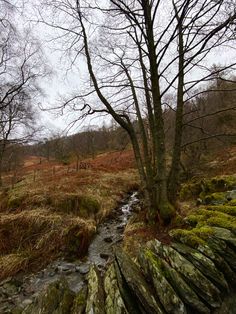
{"x":204,"y":264}
{"x":135,"y":282}
{"x":83,"y":269}
{"x":113,"y":300}
{"x":95,"y":298}
{"x":151,"y":265}
{"x":199,"y":283}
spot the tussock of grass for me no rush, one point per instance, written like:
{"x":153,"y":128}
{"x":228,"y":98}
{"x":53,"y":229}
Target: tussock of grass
{"x":30,"y":239}
{"x":11,"y":264}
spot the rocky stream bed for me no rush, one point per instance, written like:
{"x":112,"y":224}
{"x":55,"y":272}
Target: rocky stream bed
{"x":195,"y":273}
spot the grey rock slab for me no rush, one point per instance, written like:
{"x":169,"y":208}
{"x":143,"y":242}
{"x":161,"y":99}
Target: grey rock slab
{"x":202,"y":286}
{"x":95,"y":297}
{"x":113,"y":299}
{"x":170,"y":300}
{"x":137,"y":284}
{"x":204,"y":264}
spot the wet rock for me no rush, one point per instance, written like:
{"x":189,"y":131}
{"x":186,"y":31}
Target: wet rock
{"x":57,"y":298}
{"x":83,"y":269}
{"x":113,"y":300}
{"x":137,"y":284}
{"x":200,"y":284}
{"x":184,"y":291}
{"x":222,"y":248}
{"x":204,"y":264}
{"x":226,"y":235}
{"x":95,"y":298}
{"x":151,"y":265}
{"x":231,"y":195}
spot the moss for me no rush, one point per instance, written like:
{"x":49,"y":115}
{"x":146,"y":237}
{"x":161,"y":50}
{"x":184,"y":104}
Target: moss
{"x":190,"y":190}
{"x":187,"y":237}
{"x":203,"y":232}
{"x":79,"y":301}
{"x":222,"y":223}
{"x":194,"y":219}
{"x":215,"y":198}
{"x":232,"y":202}
{"x":203,"y":188}
{"x":230,"y":210}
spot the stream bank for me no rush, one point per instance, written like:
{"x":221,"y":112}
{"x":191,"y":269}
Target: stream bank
{"x":20,"y":291}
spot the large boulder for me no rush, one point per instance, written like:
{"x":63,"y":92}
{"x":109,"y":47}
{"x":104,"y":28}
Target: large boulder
{"x":95,"y":298}
{"x":113,"y":300}
{"x":200,"y":284}
{"x":153,"y":269}
{"x":57,"y":299}
{"x":204,"y":264}
{"x":139,"y":288}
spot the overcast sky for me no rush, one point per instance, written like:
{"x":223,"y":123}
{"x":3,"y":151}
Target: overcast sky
{"x":64,"y":80}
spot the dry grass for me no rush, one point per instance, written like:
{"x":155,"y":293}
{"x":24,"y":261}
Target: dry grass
{"x":57,"y":213}
{"x":30,"y":239}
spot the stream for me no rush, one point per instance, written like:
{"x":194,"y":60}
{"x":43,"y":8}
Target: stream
{"x":14,"y":292}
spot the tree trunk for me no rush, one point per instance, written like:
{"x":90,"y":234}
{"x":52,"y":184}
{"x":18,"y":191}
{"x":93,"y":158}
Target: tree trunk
{"x":173,"y":180}
{"x":166,"y":210}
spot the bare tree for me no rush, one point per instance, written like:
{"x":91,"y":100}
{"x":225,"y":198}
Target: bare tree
{"x":21,"y":67}
{"x":137,"y":53}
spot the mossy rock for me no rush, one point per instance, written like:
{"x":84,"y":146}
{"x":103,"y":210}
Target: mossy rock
{"x":79,"y":303}
{"x":206,"y":187}
{"x":187,"y":237}
{"x":154,"y":269}
{"x":137,"y":285}
{"x":113,"y":299}
{"x":226,"y":209}
{"x":95,"y":297}
{"x":216,"y":198}
{"x":232,"y":203}
{"x":204,"y":264}
{"x":57,"y":299}
{"x":190,"y":190}
{"x":202,"y":286}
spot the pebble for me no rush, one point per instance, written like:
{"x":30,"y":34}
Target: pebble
{"x":26,"y":302}
{"x":83,"y":269}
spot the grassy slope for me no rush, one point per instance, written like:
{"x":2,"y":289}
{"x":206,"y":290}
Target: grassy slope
{"x":57,"y":211}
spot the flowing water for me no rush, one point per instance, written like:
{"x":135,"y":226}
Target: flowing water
{"x":100,"y":252}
